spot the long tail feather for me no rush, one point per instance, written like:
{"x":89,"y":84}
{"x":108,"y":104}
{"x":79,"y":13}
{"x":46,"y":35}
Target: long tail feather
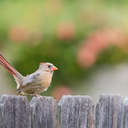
{"x":8,"y":66}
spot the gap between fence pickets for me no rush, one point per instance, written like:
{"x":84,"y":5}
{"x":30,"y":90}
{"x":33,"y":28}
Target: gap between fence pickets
{"x":111,"y":111}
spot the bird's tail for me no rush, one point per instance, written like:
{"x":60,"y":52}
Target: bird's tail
{"x":8,"y":66}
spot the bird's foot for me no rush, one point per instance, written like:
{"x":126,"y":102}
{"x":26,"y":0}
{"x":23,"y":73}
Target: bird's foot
{"x":21,"y":94}
{"x":39,"y":96}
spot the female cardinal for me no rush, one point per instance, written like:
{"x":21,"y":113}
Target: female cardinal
{"x":32,"y":84}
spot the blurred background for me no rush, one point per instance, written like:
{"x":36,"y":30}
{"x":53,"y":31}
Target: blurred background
{"x":86,"y":39}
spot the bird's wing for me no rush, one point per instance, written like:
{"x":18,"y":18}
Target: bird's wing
{"x":31,"y":79}
{"x":31,"y":84}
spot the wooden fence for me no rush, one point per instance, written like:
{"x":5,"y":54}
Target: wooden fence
{"x":111,"y":111}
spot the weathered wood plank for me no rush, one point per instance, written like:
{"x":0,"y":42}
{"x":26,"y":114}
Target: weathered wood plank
{"x":14,"y":112}
{"x":109,"y":112}
{"x":125,"y":119}
{"x":76,"y":112}
{"x":44,"y":112}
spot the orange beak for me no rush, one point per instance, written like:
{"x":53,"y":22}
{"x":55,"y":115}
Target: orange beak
{"x":54,"y":68}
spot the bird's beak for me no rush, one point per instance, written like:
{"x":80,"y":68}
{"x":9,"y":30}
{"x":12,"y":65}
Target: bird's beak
{"x":54,"y":68}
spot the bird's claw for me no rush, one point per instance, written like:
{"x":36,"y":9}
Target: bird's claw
{"x":39,"y":96}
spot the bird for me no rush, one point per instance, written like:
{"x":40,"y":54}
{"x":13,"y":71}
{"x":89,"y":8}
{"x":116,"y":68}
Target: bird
{"x":33,"y":84}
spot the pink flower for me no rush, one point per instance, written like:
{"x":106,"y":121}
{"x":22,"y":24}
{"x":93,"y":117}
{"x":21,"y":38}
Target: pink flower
{"x":97,"y":42}
{"x":60,"y":91}
{"x":86,"y":58}
{"x":19,"y":34}
{"x":66,"y":31}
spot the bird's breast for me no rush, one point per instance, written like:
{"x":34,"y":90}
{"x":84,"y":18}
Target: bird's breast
{"x":46,"y":79}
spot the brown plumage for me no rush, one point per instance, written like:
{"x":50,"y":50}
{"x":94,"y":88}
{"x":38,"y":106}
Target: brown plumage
{"x":32,"y":84}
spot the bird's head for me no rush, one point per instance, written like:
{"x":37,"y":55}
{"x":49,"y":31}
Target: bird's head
{"x":49,"y":67}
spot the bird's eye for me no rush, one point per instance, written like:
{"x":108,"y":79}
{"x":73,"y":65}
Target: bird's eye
{"x":49,"y":66}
